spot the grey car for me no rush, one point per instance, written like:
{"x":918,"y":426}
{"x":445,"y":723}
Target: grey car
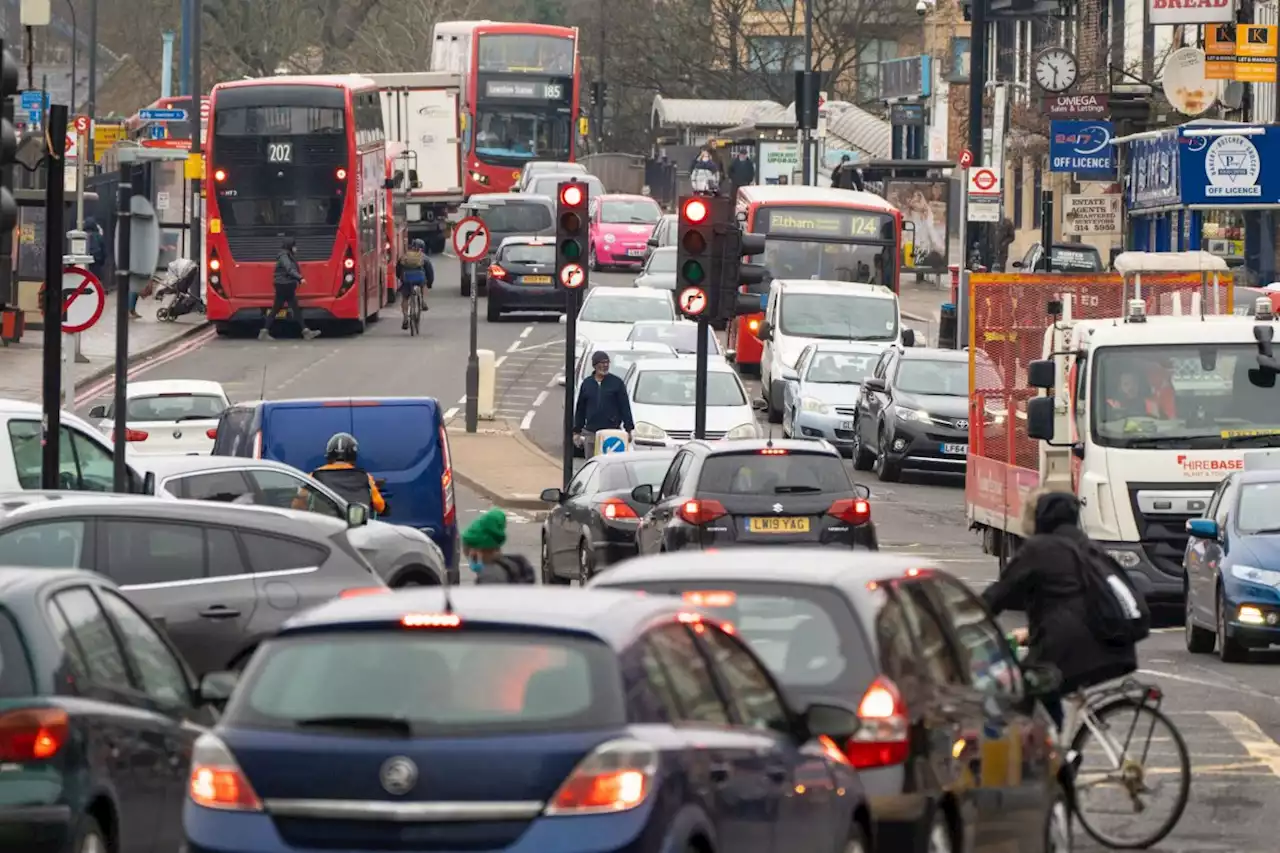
{"x":659,"y":271}
{"x":508,"y":215}
{"x":216,"y":578}
{"x":402,"y":556}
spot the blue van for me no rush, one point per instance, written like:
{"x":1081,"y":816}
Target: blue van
{"x":403,"y":443}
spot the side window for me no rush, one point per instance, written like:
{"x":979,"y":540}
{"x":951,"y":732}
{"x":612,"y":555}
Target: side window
{"x":1216,"y":500}
{"x":1081,"y":402}
{"x":92,"y":632}
{"x":673,"y":475}
{"x":234,"y":429}
{"x":578,"y":484}
{"x":271,"y":553}
{"x":982,"y":646}
{"x":73,"y":654}
{"x":650,"y":696}
{"x":935,"y":651}
{"x":1227,"y":497}
{"x":225,"y":559}
{"x":751,"y":692}
{"x":24,"y":440}
{"x":898,"y":657}
{"x":684,"y":475}
{"x":276,"y":488}
{"x":690,"y":677}
{"x":49,"y":545}
{"x":223,"y":486}
{"x":881,"y":365}
{"x":97,"y":466}
{"x":136,"y":552}
{"x":161,"y":674}
{"x":803,"y":361}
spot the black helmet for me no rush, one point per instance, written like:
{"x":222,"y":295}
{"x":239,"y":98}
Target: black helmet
{"x":343,"y":447}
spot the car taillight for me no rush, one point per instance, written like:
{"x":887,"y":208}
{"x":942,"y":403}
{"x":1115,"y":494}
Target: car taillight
{"x":217,"y":782}
{"x":496,"y":271}
{"x":852,"y":510}
{"x":32,"y":734}
{"x":360,"y":591}
{"x":257,"y":445}
{"x":215,"y":264}
{"x":348,"y":274}
{"x":616,"y":777}
{"x":131,"y":435}
{"x":212,"y":433}
{"x":881,"y":741}
{"x":700,"y":511}
{"x":446,"y":482}
{"x":615,"y":508}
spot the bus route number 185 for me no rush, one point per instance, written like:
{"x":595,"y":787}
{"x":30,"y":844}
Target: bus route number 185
{"x":280,"y":152}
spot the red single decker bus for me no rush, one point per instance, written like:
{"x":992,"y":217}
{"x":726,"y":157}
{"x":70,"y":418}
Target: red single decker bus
{"x":300,"y":158}
{"x":520,"y":96}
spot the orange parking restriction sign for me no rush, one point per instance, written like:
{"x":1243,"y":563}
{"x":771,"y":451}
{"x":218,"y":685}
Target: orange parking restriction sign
{"x":1256,"y":53}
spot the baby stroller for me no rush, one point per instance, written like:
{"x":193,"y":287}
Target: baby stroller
{"x":182,"y":283}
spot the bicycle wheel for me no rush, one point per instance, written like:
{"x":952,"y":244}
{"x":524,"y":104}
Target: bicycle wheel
{"x":415,"y":313}
{"x":1151,"y":751}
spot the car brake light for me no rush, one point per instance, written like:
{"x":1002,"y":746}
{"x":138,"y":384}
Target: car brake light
{"x":616,"y":777}
{"x":852,"y":510}
{"x":446,"y":482}
{"x":360,"y":591}
{"x":616,"y":508}
{"x":710,"y":599}
{"x":217,"y":782}
{"x":212,"y":433}
{"x":700,"y":511}
{"x":32,"y":734}
{"x":496,"y":271}
{"x":773,"y":451}
{"x":881,"y":741}
{"x":131,"y":435}
{"x":431,"y":620}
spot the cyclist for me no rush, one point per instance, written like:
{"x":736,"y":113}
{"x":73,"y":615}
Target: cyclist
{"x":341,"y":473}
{"x":414,"y":270}
{"x":1047,"y":578}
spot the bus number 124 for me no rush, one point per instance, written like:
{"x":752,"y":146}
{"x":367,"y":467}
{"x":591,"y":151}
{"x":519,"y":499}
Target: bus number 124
{"x":280,"y":152}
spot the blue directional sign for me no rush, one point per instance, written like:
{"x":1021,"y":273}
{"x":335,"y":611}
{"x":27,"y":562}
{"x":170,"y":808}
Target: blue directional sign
{"x":612,"y":444}
{"x":162,"y":115}
{"x":34,"y":100}
{"x":157,"y":131}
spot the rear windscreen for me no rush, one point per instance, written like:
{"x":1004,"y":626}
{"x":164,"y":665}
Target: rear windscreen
{"x":760,"y":474}
{"x":528,"y":253}
{"x":175,"y":407}
{"x":15,"y":668}
{"x":436,"y":681}
{"x":513,"y":217}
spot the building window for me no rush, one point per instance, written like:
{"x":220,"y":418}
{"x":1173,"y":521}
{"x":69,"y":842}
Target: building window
{"x":1017,"y":193}
{"x":1007,"y":44}
{"x":1037,"y":197}
{"x":774,"y":55}
{"x":869,"y":58}
{"x":775,"y":5}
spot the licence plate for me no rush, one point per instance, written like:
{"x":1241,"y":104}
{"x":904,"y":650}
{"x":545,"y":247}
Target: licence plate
{"x":955,"y":449}
{"x":537,"y":279}
{"x":283,"y":312}
{"x":846,"y":425}
{"x":635,"y":253}
{"x":777,"y":525}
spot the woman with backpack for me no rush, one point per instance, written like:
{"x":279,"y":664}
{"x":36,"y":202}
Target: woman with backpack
{"x":414,"y":272}
{"x":483,"y":540}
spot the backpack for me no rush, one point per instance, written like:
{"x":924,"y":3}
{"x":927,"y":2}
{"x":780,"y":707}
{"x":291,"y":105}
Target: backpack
{"x":518,"y":569}
{"x":1118,"y":612}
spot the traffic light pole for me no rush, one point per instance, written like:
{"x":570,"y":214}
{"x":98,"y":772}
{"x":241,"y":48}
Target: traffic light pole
{"x":700,"y":381}
{"x":570,"y":392}
{"x":124,"y":250}
{"x":53,"y":313}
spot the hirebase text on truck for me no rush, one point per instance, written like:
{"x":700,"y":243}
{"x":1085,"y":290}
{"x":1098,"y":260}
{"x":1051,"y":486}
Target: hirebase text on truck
{"x":1153,"y":390}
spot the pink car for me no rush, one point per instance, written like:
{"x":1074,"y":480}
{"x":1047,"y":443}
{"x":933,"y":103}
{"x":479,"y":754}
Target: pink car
{"x":620,"y":227}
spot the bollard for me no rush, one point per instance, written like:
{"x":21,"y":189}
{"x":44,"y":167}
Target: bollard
{"x":611,"y":441}
{"x":487,"y":386}
{"x":947,"y":327}
{"x":954,"y":269}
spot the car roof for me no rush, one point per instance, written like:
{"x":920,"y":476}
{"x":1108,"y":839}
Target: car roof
{"x":631,"y":346}
{"x":625,"y":197}
{"x":17,"y":580}
{"x":636,"y":455}
{"x":677,"y":322}
{"x":167,"y":466}
{"x":536,"y":165}
{"x":808,"y":566}
{"x":614,"y":617}
{"x":753,"y":445}
{"x":309,"y":402}
{"x":527,"y":240}
{"x":804,"y":285}
{"x":505,"y":197}
{"x":158,"y":387}
{"x":666,"y":249}
{"x":680,"y":365}
{"x":629,"y":293}
{"x":36,"y":505}
{"x":1259,"y":476}
{"x":933,"y":354}
{"x":851,"y":347}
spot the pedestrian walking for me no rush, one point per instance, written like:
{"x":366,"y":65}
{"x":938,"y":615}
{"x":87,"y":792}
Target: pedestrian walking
{"x":97,"y":248}
{"x":483,"y":540}
{"x":286,"y":280}
{"x":602,"y":404}
{"x":742,"y":172}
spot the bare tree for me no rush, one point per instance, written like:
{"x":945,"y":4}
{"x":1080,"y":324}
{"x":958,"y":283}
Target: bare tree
{"x":259,"y":37}
{"x":399,"y":38}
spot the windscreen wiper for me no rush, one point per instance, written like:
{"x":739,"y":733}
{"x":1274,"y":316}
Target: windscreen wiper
{"x":1272,"y":440}
{"x":795,"y":490}
{"x":195,"y":418}
{"x":1266,"y":531}
{"x":390,"y":725}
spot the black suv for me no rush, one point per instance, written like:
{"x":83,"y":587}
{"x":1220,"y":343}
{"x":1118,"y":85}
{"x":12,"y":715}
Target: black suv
{"x":723,"y":493}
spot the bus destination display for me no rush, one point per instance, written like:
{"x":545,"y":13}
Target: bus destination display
{"x":826,"y":223}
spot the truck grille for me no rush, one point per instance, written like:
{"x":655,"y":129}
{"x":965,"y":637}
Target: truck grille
{"x":687,"y":434}
{"x":1163,"y":534}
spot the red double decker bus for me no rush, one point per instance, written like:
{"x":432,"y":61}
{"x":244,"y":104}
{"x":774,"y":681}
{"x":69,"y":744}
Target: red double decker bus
{"x":521,"y":96}
{"x":303,"y":158}
{"x":394,"y":214}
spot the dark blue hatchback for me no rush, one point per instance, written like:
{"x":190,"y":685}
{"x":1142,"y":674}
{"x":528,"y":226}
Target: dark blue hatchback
{"x":539,"y":720}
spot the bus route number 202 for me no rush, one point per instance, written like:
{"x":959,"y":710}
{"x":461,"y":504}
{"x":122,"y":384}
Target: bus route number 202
{"x":280,"y":152}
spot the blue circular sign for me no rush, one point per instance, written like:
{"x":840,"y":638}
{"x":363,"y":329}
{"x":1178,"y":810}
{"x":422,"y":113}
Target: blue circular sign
{"x":612,"y":444}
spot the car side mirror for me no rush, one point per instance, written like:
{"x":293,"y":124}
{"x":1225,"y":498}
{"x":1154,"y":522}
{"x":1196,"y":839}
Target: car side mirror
{"x":389,"y":184}
{"x":217,"y":687}
{"x":1203,"y":528}
{"x":908,"y":336}
{"x":1017,"y":265}
{"x":643,"y":494}
{"x":766,"y":332}
{"x":97,"y":413}
{"x":759,"y":404}
{"x":834,"y":721}
{"x":552,"y":496}
{"x":1040,"y":418}
{"x":148,"y":486}
{"x":875,"y":383}
{"x":1042,"y":373}
{"x":789,"y":375}
{"x":651,"y":243}
{"x":357,"y":515}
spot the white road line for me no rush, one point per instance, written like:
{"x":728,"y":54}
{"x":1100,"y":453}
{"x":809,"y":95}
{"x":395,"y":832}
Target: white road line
{"x":1251,"y":736}
{"x":1199,"y":682}
{"x":448,"y":416}
{"x":515,"y":345}
{"x":555,"y":380}
{"x":540,"y":399}
{"x":498,"y":363}
{"x":528,"y":330}
{"x":462,"y":401}
{"x":528,"y":420}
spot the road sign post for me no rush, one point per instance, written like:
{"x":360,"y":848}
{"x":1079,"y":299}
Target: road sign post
{"x":53,"y":304}
{"x":471,"y":243}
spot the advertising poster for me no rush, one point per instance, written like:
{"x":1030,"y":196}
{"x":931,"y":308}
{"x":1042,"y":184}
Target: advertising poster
{"x":779,"y":163}
{"x":925,"y":229}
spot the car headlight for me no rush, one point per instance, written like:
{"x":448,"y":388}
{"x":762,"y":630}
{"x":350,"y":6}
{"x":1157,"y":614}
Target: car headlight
{"x":917,"y":415}
{"x":1126,"y":559}
{"x":1263,"y":577}
{"x":649,"y":432}
{"x":609,"y":238}
{"x":743,"y":431}
{"x":813,"y":404}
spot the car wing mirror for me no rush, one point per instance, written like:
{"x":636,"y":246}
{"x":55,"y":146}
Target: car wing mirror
{"x":552,"y":496}
{"x":149,"y":483}
{"x":908,"y":336}
{"x":357,"y":515}
{"x":98,"y":413}
{"x":833,"y":721}
{"x":643,"y":494}
{"x":217,"y":687}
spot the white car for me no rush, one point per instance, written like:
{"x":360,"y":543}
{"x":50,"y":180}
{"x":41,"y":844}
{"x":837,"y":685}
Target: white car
{"x":170,"y":416}
{"x":799,"y":313}
{"x":86,"y":460}
{"x":680,"y":335}
{"x":661,"y":392}
{"x":608,"y":313}
{"x":622,"y":354}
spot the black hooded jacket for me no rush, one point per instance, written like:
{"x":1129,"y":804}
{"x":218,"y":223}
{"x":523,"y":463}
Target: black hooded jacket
{"x":1044,"y":579}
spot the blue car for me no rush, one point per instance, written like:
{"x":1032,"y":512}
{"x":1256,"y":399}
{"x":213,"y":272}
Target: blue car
{"x":1232,"y":563}
{"x":403,"y":444}
{"x":524,"y":720}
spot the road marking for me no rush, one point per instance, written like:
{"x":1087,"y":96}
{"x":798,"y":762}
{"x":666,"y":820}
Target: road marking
{"x":498,"y":363}
{"x":515,"y":345}
{"x":462,"y":401}
{"x":448,"y":416}
{"x":555,"y":380}
{"x":1251,"y":736}
{"x":1201,"y":682}
{"x":528,"y":330}
{"x":540,"y":399}
{"x":528,"y":420}
{"x":180,"y":348}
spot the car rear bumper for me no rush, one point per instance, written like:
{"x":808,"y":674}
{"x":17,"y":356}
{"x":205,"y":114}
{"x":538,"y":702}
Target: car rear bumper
{"x":36,"y":828}
{"x":526,"y":297}
{"x":837,"y":429}
{"x":616,"y":256}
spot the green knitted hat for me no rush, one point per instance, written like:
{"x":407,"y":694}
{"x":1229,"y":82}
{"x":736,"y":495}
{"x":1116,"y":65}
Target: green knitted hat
{"x":488,"y":532}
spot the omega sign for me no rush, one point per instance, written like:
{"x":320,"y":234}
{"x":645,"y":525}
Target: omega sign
{"x":1076,"y":106}
{"x":1191,"y":12}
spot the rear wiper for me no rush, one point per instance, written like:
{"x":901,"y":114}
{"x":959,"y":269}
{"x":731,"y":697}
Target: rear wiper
{"x":392,"y":725}
{"x":795,"y":490}
{"x":192,"y":418}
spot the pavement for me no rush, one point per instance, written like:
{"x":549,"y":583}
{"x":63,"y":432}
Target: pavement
{"x":1229,"y":714}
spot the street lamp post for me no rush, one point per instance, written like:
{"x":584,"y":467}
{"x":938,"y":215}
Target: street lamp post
{"x":92,"y":106}
{"x":977,"y":89}
{"x":75,"y":49}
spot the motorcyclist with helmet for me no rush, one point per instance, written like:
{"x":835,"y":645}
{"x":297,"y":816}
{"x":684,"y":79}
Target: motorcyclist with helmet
{"x":341,"y":473}
{"x":413,"y":272}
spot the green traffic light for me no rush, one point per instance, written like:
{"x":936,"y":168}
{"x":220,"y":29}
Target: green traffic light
{"x":692,"y":272}
{"x":571,"y":249}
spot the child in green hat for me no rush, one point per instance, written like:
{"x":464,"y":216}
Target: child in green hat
{"x":483,"y":540}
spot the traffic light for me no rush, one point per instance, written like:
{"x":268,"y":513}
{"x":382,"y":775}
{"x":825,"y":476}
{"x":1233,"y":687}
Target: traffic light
{"x":8,"y":141}
{"x":696,"y":261}
{"x":743,"y":277}
{"x":571,"y":234}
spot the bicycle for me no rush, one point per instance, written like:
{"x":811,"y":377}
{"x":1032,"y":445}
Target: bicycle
{"x":414,"y":311}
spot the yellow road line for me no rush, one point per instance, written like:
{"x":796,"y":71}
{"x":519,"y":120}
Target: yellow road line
{"x":1250,"y":736}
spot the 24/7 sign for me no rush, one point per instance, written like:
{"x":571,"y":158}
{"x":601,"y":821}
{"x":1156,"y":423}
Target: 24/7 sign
{"x":1081,"y":146}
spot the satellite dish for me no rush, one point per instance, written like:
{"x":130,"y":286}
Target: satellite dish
{"x":1232,"y":96}
{"x":1185,"y":85}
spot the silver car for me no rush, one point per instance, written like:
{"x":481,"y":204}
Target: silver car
{"x":820,"y":394}
{"x":402,"y":556}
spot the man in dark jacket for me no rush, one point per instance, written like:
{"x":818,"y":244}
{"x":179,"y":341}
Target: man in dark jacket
{"x":741,"y":172}
{"x":286,"y":280}
{"x":1045,"y":579}
{"x":602,"y":404}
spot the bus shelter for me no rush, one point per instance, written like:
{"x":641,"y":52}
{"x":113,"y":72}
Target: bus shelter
{"x":1185,"y":184}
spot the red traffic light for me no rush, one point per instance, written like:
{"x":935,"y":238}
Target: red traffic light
{"x":571,"y":195}
{"x":695,"y":210}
